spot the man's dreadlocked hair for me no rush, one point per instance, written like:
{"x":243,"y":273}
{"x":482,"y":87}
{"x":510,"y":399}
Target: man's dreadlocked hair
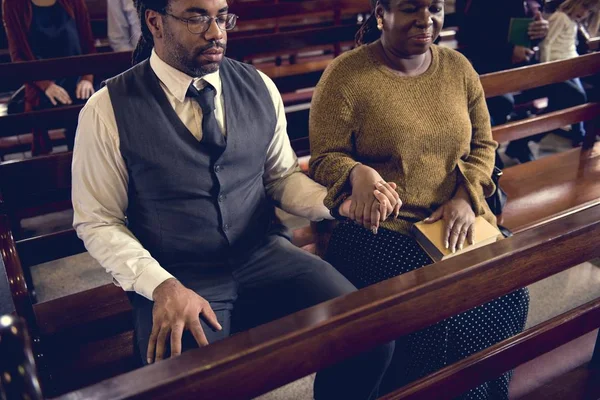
{"x":146,"y":43}
{"x":368,"y":32}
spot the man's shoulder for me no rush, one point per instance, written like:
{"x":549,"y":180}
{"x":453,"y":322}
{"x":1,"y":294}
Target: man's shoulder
{"x":99,"y":104}
{"x":128,"y":75}
{"x":239,"y":66}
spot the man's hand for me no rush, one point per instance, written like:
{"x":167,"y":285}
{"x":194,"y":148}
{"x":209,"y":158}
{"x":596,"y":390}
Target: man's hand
{"x":521,"y":54}
{"x":57,"y":94}
{"x":365,"y":209}
{"x":177,"y":308}
{"x":459,"y":218}
{"x":538,"y":29}
{"x":84,"y":89}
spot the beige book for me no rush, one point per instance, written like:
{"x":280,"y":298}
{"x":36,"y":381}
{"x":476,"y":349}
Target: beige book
{"x":431,"y":238}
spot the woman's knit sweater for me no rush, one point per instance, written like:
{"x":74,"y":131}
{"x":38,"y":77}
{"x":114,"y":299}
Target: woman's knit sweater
{"x":428,"y":133}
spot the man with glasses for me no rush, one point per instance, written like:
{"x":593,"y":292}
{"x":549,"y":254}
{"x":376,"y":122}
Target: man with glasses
{"x":177,"y":165}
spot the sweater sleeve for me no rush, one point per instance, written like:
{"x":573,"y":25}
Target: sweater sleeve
{"x":84,"y":29}
{"x":476,"y":167}
{"x":16,"y":34}
{"x":332,"y":128}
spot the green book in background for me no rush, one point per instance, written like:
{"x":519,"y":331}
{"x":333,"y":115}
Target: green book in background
{"x":517,"y":33}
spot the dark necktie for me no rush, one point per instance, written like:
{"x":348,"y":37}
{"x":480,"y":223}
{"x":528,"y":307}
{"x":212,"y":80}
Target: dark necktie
{"x":211,"y":133}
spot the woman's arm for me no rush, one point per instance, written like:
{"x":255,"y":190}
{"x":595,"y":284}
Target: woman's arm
{"x":333,"y":125}
{"x":16,"y":34}
{"x":86,"y":38}
{"x":331,"y":130}
{"x":556,"y":26}
{"x":477,"y":166}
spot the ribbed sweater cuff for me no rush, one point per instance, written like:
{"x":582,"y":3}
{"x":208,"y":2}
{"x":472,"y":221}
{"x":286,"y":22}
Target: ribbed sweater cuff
{"x":475,"y":191}
{"x":341,"y":190}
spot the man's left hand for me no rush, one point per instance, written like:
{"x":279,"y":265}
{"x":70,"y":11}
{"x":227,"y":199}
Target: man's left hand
{"x":538,"y":29}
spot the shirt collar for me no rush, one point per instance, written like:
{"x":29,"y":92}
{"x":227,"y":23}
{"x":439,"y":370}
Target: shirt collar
{"x":177,"y":82}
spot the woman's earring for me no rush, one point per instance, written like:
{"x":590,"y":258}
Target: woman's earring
{"x":379,"y":23}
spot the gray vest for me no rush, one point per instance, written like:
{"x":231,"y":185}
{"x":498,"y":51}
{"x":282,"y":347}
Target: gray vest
{"x":188,"y":205}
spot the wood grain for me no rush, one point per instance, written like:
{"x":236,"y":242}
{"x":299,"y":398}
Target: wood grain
{"x":337,"y":329}
{"x":454,"y":380}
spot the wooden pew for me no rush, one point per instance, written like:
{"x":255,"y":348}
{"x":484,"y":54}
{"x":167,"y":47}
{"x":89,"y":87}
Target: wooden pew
{"x":266,"y":16}
{"x":292,"y":77}
{"x":266,"y":357}
{"x":577,"y":168}
{"x":81,"y":320}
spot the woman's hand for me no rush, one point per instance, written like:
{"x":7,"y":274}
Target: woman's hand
{"x":459,"y":218}
{"x":57,"y":94}
{"x":380,"y":203}
{"x":373,"y":199}
{"x":84,"y":89}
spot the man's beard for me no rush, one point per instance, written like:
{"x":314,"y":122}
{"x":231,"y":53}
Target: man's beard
{"x":189,"y":64}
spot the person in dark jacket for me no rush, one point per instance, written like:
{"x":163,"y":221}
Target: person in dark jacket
{"x":484,"y":35}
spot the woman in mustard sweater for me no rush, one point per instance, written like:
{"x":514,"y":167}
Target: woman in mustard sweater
{"x":400,"y":109}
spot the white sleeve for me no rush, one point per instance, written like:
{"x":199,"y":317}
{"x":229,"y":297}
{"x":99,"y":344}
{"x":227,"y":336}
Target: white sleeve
{"x":99,"y":194}
{"x":118,"y":26}
{"x":285,"y":183}
{"x":556,"y":25}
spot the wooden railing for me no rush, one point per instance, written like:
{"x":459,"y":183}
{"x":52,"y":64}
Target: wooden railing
{"x":276,"y":353}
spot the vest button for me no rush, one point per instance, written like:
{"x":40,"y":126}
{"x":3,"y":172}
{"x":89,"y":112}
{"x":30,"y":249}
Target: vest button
{"x":218,"y":168}
{"x":226,"y":227}
{"x":221,"y":198}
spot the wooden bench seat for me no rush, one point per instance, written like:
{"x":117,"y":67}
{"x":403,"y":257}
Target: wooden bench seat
{"x":581,"y":383}
{"x":352,"y":323}
{"x":539,"y":189}
{"x":413,"y":297}
{"x":111,"y":306}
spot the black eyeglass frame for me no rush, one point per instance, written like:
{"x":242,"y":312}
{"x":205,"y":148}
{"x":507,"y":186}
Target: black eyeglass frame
{"x":231,"y":20}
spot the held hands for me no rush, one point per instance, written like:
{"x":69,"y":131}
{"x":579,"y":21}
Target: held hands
{"x":538,"y":29}
{"x":57,"y":94}
{"x":177,"y":308}
{"x":459,"y":218}
{"x":371,"y":206}
{"x":521,"y":54}
{"x":84,"y":89}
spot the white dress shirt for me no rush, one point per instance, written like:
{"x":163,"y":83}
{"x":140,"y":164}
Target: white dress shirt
{"x":100,"y":177}
{"x":123,"y":25}
{"x":559,"y":43}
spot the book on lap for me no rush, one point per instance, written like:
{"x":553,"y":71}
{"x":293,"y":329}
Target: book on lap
{"x":517,"y":32}
{"x":431,"y":238}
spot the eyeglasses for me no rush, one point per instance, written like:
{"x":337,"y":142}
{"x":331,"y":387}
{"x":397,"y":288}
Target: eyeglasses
{"x":202,"y":23}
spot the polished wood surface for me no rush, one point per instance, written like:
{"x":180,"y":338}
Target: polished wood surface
{"x":16,"y":277}
{"x":454,"y":380}
{"x":53,"y":118}
{"x":18,"y":376}
{"x":545,"y":123}
{"x":519,"y":79}
{"x":581,"y":383}
{"x":109,"y":64}
{"x":539,"y":189}
{"x":36,"y":186}
{"x":412,"y":298}
{"x":48,"y":247}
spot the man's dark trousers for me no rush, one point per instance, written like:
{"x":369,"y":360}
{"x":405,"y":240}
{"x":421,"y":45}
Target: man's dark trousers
{"x":273,"y":280}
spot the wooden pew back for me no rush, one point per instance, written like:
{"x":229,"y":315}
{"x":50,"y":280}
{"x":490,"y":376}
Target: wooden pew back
{"x":348,"y":325}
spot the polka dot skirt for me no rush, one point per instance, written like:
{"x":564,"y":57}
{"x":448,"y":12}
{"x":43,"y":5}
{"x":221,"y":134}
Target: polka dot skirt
{"x":365,"y":259}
